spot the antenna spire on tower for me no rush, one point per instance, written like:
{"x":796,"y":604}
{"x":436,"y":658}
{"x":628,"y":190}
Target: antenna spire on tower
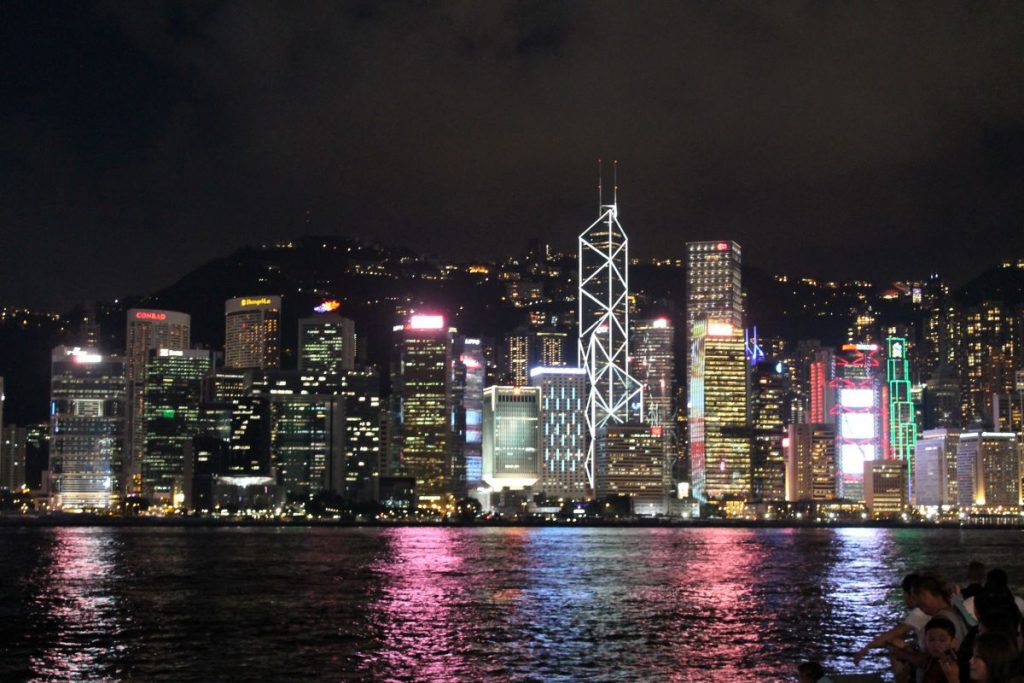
{"x":600,"y":189}
{"x":615,"y":182}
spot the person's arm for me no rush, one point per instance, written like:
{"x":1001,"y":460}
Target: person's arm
{"x":898,"y":632}
{"x":905,"y":654}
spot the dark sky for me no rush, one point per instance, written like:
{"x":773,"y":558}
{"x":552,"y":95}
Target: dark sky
{"x":140,"y":139}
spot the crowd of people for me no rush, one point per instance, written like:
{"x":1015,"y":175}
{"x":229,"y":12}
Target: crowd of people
{"x":951,"y":633}
{"x":954,"y":634}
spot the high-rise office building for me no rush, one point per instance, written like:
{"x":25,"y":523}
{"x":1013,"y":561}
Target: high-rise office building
{"x":713,"y":284}
{"x":519,"y":352}
{"x":885,"y":488}
{"x":13,"y":454}
{"x":934,"y":471}
{"x":901,"y":410}
{"x":468,"y":381}
{"x":172,"y":384}
{"x":563,"y":429}
{"x":719,"y":435}
{"x":860,"y":433}
{"x":810,"y":462}
{"x":327,"y":345}
{"x":632,"y":462}
{"x":821,"y":370}
{"x":511,"y":437}
{"x":252,"y":332}
{"x":988,"y":470}
{"x":768,"y":418}
{"x":549,"y":349}
{"x":147,"y":329}
{"x":87,"y":429}
{"x":421,"y":386}
{"x":613,"y":394}
{"x":653,"y":365}
{"x":989,"y":342}
{"x":941,"y":398}
{"x":356,"y":473}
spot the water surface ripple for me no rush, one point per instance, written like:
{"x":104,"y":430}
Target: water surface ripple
{"x":458,"y":604}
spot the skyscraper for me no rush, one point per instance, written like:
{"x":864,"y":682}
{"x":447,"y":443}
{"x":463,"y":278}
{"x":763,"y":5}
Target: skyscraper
{"x":885,"y":488}
{"x":902,"y":418}
{"x":632,"y":462}
{"x":511,"y":438}
{"x":356,"y":469}
{"x":550,"y":349}
{"x":518,"y":348}
{"x":713,"y":284}
{"x":327,"y":345}
{"x":860,"y":434}
{"x":172,"y":394}
{"x":653,"y":365}
{"x":147,"y":329}
{"x":603,"y":326}
{"x":989,"y":342}
{"x":421,"y":393}
{"x":87,"y":425}
{"x":718,"y":431}
{"x":810,"y":462}
{"x":563,"y":436}
{"x":988,"y":470}
{"x":468,"y":410}
{"x":934,"y":471}
{"x":252,"y":332}
{"x":768,"y":416}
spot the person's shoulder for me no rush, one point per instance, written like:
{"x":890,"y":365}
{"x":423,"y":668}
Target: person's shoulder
{"x":916,"y":618}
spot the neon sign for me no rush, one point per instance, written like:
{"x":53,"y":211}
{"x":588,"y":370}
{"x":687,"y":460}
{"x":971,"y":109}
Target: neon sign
{"x":426,"y":322}
{"x":260,"y":301}
{"x":150,"y":315}
{"x":722,"y":246}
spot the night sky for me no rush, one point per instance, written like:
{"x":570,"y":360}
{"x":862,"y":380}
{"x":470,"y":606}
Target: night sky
{"x":141,"y":139}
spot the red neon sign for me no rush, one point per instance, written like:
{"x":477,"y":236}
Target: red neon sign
{"x":722,"y":246}
{"x":150,"y":315}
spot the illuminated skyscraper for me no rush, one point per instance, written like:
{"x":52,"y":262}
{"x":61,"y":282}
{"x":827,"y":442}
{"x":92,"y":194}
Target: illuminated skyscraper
{"x":550,"y":349}
{"x":519,"y":350}
{"x":988,"y":470}
{"x":632,"y":462}
{"x":859,"y":409}
{"x":148,"y":329}
{"x":990,"y":347}
{"x":252,"y":333}
{"x":885,"y":488}
{"x":821,"y":390}
{"x":327,"y":345}
{"x":421,"y":386}
{"x":468,"y":410}
{"x":511,"y":438}
{"x":719,"y":436}
{"x":87,"y":425}
{"x":902,"y":418}
{"x":613,"y":395}
{"x":934,"y":471}
{"x":769,"y":416}
{"x":810,"y":462}
{"x":713,"y":284}
{"x":653,"y":364}
{"x":356,"y":466}
{"x":172,"y":394}
{"x":563,"y":394}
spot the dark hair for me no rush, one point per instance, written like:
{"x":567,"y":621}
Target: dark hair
{"x":997,"y":579}
{"x":999,"y":654}
{"x":932,"y":584}
{"x":908,"y":582}
{"x":976,"y":571}
{"x":813,"y":668}
{"x":1005,"y":620}
{"x":991,"y":599}
{"x":943,"y":623}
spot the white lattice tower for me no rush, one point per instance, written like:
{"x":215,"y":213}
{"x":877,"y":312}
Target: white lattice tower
{"x":603,"y":324}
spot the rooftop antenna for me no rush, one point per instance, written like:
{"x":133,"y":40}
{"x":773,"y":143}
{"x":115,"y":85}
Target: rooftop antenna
{"x":600,"y":190}
{"x":615,"y":182}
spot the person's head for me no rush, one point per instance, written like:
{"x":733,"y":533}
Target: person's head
{"x":931,"y":594}
{"x":1005,"y":620}
{"x":976,"y":572}
{"x":908,"y":590}
{"x":939,"y":636}
{"x":994,"y":658}
{"x":993,"y":600}
{"x":810,"y":672}
{"x":996,"y":579}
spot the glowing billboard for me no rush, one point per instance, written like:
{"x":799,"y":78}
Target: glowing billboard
{"x":857,"y":398}
{"x":719,"y":329}
{"x":327,"y":306}
{"x":857,"y":425}
{"x":150,"y":315}
{"x":426,"y":322}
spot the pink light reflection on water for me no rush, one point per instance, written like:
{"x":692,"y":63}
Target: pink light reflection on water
{"x":76,"y":599}
{"x":417,"y":608}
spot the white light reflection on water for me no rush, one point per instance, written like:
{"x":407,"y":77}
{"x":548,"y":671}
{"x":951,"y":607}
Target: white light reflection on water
{"x":76,"y":598}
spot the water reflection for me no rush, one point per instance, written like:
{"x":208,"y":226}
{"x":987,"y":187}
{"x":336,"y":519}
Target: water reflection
{"x":77,"y":601}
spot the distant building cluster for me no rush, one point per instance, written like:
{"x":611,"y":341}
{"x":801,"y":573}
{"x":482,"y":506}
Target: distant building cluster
{"x":594,"y":402}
